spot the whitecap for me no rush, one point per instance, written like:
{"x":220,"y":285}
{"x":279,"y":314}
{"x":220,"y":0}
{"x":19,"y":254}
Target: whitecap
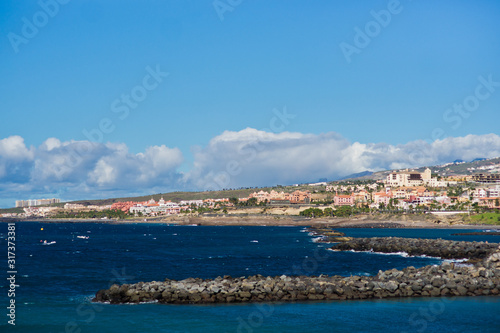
{"x":457,"y":261}
{"x":317,"y":239}
{"x":401,"y":254}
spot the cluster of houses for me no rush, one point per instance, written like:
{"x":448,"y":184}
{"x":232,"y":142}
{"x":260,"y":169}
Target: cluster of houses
{"x":162,"y":207}
{"x":409,"y":189}
{"x":151,"y":207}
{"x":403,"y":198}
{"x":276,"y":198}
{"x":402,"y":189}
{"x":49,"y":211}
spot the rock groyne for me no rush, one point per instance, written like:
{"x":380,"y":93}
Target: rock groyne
{"x":445,"y":249}
{"x":327,"y":235}
{"x":448,"y":279}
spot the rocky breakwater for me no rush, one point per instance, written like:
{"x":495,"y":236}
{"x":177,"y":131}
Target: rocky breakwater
{"x":328,"y":235}
{"x":445,"y":249}
{"x":447,"y":279}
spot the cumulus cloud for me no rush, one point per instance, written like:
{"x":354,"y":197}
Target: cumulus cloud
{"x":73,"y":168}
{"x":15,"y":158}
{"x":119,"y":169}
{"x":82,"y":169}
{"x":251,"y":157}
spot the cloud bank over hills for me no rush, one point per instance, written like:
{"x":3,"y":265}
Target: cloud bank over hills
{"x":82,"y":169}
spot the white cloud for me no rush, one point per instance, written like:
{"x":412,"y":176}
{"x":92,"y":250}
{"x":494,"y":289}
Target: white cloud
{"x":13,"y":148}
{"x":120,"y":169}
{"x":81,"y":169}
{"x":77,"y":169}
{"x":255,"y":158}
{"x":14,"y":158}
{"x":50,"y":144}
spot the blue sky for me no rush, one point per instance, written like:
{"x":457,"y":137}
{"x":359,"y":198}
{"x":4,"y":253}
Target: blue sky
{"x":234,"y":68}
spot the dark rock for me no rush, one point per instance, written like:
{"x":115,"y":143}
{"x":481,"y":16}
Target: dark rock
{"x":436,"y":281}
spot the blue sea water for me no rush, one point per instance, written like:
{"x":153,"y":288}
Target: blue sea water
{"x":56,"y":282}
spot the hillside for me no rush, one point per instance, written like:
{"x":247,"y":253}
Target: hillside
{"x":461,"y":168}
{"x":176,"y":196}
{"x":449,"y":169}
{"x":444,"y":170}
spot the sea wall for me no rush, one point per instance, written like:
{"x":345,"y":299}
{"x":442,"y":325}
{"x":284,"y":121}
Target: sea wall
{"x":445,"y":249}
{"x":448,"y":279}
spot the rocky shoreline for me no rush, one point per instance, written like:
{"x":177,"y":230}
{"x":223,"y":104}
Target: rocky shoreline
{"x":477,"y":234}
{"x":274,"y":220}
{"x":441,"y":248}
{"x":448,"y":279}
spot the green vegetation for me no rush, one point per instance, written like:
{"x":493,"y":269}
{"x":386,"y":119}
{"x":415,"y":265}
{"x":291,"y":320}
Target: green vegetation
{"x":11,"y":210}
{"x":455,"y":191}
{"x":486,"y":218}
{"x":249,"y":203}
{"x":312,"y":212}
{"x":342,"y":211}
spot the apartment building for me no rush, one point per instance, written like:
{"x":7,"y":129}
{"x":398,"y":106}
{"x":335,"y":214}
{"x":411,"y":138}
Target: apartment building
{"x":36,"y":202}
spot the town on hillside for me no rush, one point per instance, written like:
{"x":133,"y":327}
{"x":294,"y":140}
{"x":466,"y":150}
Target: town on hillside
{"x":400,"y":191}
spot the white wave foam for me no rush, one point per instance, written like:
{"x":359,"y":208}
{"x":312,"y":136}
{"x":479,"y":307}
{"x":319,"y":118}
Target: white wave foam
{"x":457,"y":261}
{"x":401,"y":254}
{"x":317,"y":239}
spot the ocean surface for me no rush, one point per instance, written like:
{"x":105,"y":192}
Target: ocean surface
{"x":56,"y":282}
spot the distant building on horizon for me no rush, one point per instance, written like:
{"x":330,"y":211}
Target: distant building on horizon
{"x":36,"y":202}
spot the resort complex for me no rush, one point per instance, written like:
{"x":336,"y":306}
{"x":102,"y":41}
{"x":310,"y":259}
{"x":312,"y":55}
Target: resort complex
{"x":401,"y":190}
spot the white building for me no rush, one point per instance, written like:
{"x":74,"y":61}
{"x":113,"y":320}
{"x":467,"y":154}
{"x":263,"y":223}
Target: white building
{"x":408,"y":178}
{"x":415,"y":178}
{"x":198,"y":203}
{"x":494,"y":192}
{"x":152,"y":208}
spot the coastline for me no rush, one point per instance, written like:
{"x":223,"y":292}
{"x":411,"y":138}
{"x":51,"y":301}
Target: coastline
{"x":356,"y":222}
{"x":480,"y":276}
